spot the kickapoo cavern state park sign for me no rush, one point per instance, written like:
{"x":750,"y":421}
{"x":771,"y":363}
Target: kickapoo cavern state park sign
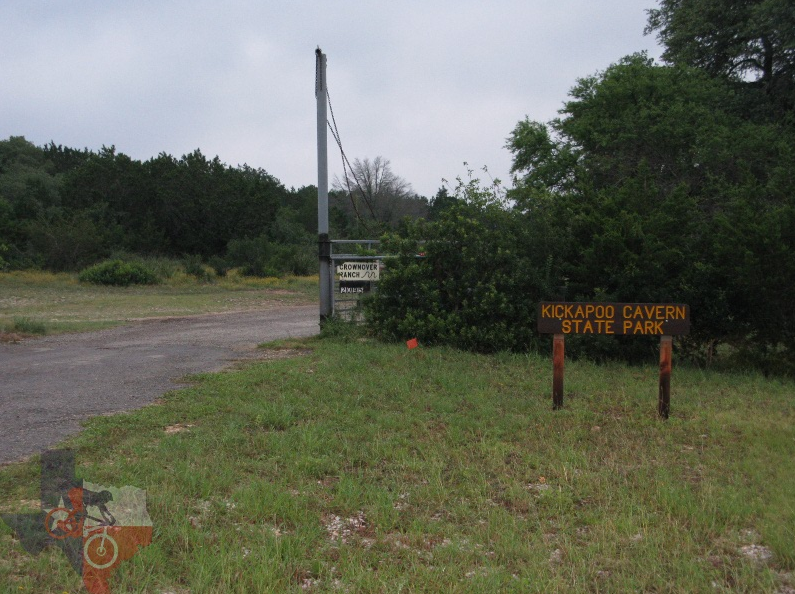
{"x":661,"y":319}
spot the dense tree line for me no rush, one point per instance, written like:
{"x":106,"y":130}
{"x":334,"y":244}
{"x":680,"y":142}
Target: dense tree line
{"x":658,"y":183}
{"x":63,"y":208}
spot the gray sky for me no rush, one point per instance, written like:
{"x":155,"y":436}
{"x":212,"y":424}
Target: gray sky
{"x":426,"y":84}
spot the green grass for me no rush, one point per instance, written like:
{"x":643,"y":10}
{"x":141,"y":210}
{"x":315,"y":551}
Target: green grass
{"x":361,"y":467}
{"x":59,"y":303}
{"x":28,"y":326}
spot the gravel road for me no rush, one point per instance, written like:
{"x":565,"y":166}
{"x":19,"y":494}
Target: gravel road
{"x":48,"y":385}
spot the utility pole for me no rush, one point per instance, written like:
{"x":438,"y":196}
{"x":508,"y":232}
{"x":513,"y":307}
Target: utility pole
{"x":324,"y":244}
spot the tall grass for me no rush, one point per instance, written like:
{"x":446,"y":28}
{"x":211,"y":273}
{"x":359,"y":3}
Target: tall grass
{"x":354,"y":466}
{"x":26,"y":325}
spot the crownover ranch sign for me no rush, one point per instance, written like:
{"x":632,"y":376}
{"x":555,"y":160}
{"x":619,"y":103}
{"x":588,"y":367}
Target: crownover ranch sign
{"x":358,"y":271}
{"x":645,"y":319}
{"x":356,"y":277}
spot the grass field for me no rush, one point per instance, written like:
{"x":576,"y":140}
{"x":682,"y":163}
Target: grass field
{"x":360,"y":467}
{"x":42,"y":302}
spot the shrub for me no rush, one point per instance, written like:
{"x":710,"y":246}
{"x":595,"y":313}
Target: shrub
{"x":162,"y":266}
{"x":340,"y":328}
{"x":219,"y":265}
{"x":303,"y":261}
{"x":194,"y":267}
{"x":251,"y":256}
{"x":119,"y":273}
{"x":67,"y":243}
{"x":29,"y":326}
{"x":476,"y":286}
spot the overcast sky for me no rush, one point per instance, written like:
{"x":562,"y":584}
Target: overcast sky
{"x":427,"y":84}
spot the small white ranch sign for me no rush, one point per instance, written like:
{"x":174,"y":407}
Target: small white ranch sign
{"x":358,"y":271}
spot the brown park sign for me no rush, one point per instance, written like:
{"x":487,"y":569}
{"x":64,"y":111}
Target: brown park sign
{"x":661,"y":319}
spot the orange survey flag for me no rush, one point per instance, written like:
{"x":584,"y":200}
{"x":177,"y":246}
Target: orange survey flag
{"x":412,"y":344}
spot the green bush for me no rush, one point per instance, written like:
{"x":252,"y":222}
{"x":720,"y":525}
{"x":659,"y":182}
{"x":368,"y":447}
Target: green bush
{"x":296,"y":259}
{"x":29,"y":326}
{"x":162,"y":266}
{"x":193,"y":266}
{"x":119,"y":273}
{"x":68,"y":242}
{"x":476,"y":286}
{"x":251,"y":255}
{"x":219,"y":265}
{"x":303,"y":261}
{"x":260,"y":257}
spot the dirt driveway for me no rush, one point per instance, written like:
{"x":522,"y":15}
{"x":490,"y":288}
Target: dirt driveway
{"x":48,"y":385}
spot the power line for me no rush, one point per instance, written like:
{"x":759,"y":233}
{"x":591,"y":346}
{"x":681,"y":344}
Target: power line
{"x":346,"y":164}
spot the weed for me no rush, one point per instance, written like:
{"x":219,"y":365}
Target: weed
{"x":29,"y":326}
{"x":341,"y":328}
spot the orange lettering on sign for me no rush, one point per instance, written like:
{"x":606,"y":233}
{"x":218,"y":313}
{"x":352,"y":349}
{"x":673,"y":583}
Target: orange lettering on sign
{"x":566,"y":326}
{"x":627,"y":326}
{"x":680,"y":313}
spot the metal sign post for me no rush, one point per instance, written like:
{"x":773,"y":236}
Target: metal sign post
{"x":324,"y":245}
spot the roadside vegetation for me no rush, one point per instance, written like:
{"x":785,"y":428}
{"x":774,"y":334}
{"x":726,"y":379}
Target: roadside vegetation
{"x":355,"y":466}
{"x":36,"y":302}
{"x":341,"y":463}
{"x":63,"y":209}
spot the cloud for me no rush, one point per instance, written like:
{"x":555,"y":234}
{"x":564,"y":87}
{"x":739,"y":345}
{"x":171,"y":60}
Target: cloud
{"x":426,"y":84}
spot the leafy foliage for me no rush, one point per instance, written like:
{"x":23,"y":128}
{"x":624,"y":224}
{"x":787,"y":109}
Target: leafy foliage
{"x":752,"y":41}
{"x":473,"y":286}
{"x":119,"y":273}
{"x":655,"y":185}
{"x":671,"y":194}
{"x":193,"y":266}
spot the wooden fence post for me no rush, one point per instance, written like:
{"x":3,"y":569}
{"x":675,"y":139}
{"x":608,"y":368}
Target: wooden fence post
{"x":558,"y":353}
{"x":664,"y":404}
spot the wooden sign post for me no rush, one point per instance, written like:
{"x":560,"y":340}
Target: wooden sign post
{"x":558,"y":355}
{"x":664,"y":401}
{"x":661,"y":319}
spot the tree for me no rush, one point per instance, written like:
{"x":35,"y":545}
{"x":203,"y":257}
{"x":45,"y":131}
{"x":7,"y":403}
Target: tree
{"x":732,"y":38}
{"x":379,"y":198}
{"x":669,"y":194}
{"x":441,"y":202}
